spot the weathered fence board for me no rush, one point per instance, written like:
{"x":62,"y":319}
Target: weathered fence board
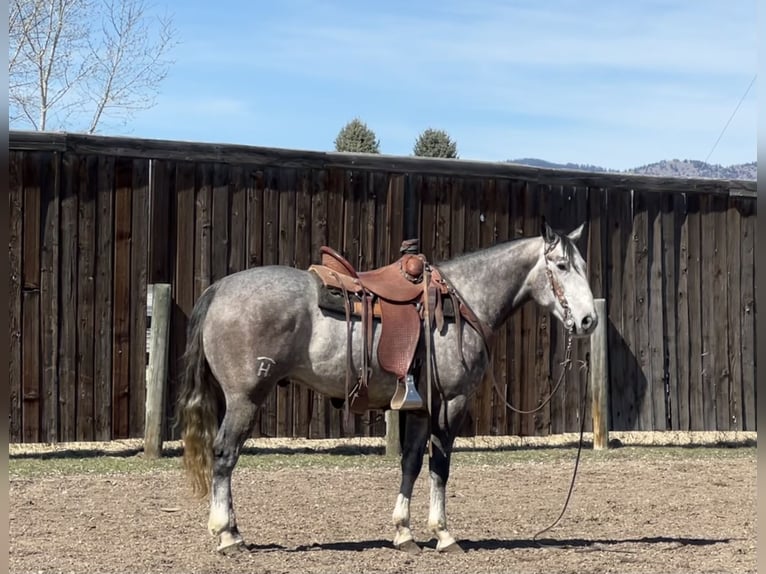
{"x":103,"y":315}
{"x":694,"y":342}
{"x":93,"y":225}
{"x":15,"y":237}
{"x":139,"y":269}
{"x":67,"y":348}
{"x":86,"y":297}
{"x":748,"y":314}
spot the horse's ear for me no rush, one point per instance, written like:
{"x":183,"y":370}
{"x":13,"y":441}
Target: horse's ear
{"x":577,"y":233}
{"x":545,"y":230}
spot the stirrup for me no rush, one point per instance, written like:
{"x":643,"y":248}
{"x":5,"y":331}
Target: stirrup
{"x":406,"y":396}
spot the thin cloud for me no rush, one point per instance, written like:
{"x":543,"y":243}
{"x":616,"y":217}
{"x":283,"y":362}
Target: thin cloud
{"x":614,"y":83}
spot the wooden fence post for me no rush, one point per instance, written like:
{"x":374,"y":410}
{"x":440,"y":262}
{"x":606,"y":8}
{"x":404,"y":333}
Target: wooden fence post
{"x":599,"y":378}
{"x":157,"y":371}
{"x":392,"y":433}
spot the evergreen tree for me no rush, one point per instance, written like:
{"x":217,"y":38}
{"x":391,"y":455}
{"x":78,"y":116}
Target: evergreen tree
{"x":356,"y":137}
{"x":435,"y":143}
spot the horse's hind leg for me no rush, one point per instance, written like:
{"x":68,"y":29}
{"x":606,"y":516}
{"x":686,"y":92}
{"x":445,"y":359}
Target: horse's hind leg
{"x":235,"y":428}
{"x":413,"y":448}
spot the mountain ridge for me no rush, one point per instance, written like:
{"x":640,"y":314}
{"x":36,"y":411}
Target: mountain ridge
{"x":668,"y":168}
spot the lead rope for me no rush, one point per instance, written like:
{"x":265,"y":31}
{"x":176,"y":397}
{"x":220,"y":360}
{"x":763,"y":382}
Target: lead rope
{"x":566,"y":366}
{"x":584,"y":367}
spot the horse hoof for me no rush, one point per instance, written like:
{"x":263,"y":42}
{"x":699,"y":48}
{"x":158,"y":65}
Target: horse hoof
{"x":453,"y":548}
{"x":409,"y":546}
{"x":232,"y":549}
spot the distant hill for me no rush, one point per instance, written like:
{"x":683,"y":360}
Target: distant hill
{"x":670,"y":168}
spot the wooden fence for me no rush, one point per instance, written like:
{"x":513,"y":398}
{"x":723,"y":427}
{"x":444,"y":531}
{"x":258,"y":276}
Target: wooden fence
{"x":94,"y":221}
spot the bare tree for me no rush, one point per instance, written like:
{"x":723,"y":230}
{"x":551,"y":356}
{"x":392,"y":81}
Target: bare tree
{"x":75,"y":63}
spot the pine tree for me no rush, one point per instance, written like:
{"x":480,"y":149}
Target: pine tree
{"x":435,"y":143}
{"x":356,"y":137}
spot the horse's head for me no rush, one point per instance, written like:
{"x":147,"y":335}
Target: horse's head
{"x":560,"y":281}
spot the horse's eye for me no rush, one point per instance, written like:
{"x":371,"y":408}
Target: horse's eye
{"x":562,"y":266}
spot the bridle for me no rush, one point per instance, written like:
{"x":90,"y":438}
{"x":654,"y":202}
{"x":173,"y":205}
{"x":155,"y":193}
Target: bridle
{"x":566,"y":364}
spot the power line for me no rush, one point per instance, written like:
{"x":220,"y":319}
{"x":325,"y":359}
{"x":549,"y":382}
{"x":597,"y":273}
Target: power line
{"x":734,"y":113}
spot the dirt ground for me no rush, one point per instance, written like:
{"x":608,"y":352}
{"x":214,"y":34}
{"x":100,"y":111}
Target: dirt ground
{"x":634,"y":509}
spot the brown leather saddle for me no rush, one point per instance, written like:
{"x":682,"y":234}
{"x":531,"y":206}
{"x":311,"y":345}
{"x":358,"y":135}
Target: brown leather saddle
{"x":399,"y":295}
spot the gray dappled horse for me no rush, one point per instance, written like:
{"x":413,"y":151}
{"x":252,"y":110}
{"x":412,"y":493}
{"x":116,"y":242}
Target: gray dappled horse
{"x":257,"y":327}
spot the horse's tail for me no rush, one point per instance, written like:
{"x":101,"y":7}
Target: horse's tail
{"x":200,"y":402}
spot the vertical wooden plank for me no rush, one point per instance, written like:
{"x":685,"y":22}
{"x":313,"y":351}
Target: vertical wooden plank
{"x":139,"y":267}
{"x":121,"y":301}
{"x":733,"y":307}
{"x":709,"y":327}
{"x":721,"y":373}
{"x":683,"y":340}
{"x":103,"y":316}
{"x":596,"y":254}
{"x":237,"y":220}
{"x":427,"y":186}
{"x":220,"y":221}
{"x":643,"y":372}
{"x":86,"y":292}
{"x":161,"y":196}
{"x":655,"y":328}
{"x":617,"y":351}
{"x":694,"y":254}
{"x":443,"y":219}
{"x":30,"y":305}
{"x":355,"y":184}
{"x":671,"y":240}
{"x":49,"y":284}
{"x":747,"y":313}
{"x":67,"y":360}
{"x":202,"y":228}
{"x":255,"y":221}
{"x":16,"y":216}
{"x":395,"y":209}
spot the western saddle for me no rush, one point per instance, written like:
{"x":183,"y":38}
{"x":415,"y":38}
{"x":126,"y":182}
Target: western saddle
{"x":404,"y":297}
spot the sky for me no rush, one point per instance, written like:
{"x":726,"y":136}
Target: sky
{"x":604,"y":82}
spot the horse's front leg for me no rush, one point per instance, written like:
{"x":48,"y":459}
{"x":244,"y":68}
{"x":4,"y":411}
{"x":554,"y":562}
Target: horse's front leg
{"x":445,"y":428}
{"x":413,"y":448}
